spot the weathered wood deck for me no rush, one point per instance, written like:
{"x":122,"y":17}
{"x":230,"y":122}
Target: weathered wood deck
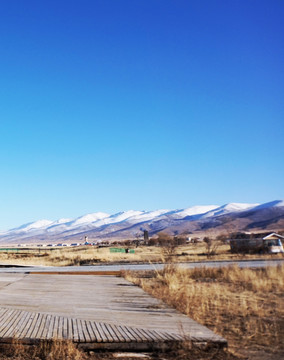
{"x":93,"y":311}
{"x":31,"y":327}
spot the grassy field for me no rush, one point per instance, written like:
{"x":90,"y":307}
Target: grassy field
{"x":91,"y":255}
{"x":245,"y":306}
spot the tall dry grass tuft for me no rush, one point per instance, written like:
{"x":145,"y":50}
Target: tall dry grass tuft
{"x":46,"y":350}
{"x":60,"y":350}
{"x":245,"y":306}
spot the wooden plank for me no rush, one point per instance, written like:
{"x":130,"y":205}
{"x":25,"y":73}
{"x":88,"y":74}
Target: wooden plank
{"x":55,"y":327}
{"x":65,"y":328}
{"x":13,"y":324}
{"x":36,"y":328}
{"x":46,"y":326}
{"x":174,"y":337}
{"x":60,"y":328}
{"x":80,"y":331}
{"x":100,"y":330}
{"x":134,"y":334}
{"x":85,"y":331}
{"x":141,"y":334}
{"x":96,"y":332}
{"x":33,"y":326}
{"x":75,"y":330}
{"x":108,"y":336}
{"x":3,"y":325}
{"x":157,"y":336}
{"x":4,"y":315}
{"x":124,"y":331}
{"x":69,"y":329}
{"x":28,"y":328}
{"x":21,"y":324}
{"x":50,"y":331}
{"x":118,"y":334}
{"x":42,"y":321}
{"x":91,"y":331}
{"x":113,"y":334}
{"x":2,"y":312}
{"x":10,"y":326}
{"x":166,"y":336}
{"x":148,"y":334}
{"x":7,"y":322}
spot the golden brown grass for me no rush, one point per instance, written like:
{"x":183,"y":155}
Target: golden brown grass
{"x":245,"y":306}
{"x":88,"y":255}
{"x":66,"y":350}
{"x":47,"y":350}
{"x":83,"y":255}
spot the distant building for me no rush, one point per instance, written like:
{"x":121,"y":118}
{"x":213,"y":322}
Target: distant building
{"x":146,"y":236}
{"x":274,"y":236}
{"x":274,"y":241}
{"x":270,"y":244}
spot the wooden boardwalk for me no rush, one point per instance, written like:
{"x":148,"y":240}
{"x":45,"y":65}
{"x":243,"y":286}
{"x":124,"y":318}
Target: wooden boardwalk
{"x":31,"y":326}
{"x":93,"y":311}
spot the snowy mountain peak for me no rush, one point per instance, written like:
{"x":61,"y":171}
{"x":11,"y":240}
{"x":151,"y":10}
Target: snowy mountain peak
{"x":230,"y":208}
{"x":39,"y":224}
{"x":89,"y":218}
{"x":196,"y":210}
{"x":124,"y":215}
{"x":238,"y":206}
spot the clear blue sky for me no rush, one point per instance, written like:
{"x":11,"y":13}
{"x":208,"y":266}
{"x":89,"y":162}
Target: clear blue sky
{"x":113,"y":105}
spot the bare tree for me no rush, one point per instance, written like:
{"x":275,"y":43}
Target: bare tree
{"x":168,"y":246}
{"x":211,"y":246}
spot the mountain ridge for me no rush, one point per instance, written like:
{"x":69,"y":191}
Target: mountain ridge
{"x":131,"y":223}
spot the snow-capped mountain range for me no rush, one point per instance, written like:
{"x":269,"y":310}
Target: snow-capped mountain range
{"x":128,"y":224}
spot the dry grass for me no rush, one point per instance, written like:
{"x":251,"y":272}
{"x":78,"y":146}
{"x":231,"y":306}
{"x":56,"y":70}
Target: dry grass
{"x":65,"y":350}
{"x":91,"y":255}
{"x":245,"y":306}
{"x":52,"y":350}
{"x":77,"y":256}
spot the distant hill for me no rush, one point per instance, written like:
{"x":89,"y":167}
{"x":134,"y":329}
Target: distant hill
{"x":130,"y":224}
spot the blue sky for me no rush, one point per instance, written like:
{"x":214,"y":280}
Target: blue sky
{"x":115,"y":105}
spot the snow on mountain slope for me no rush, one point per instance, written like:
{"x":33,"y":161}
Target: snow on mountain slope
{"x":89,"y":218}
{"x":94,"y":220}
{"x":229,"y":208}
{"x":40,"y":224}
{"x":117,"y":218}
{"x":148,"y":216}
{"x":196,"y":210}
{"x":123,"y":216}
{"x":275,"y":203}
